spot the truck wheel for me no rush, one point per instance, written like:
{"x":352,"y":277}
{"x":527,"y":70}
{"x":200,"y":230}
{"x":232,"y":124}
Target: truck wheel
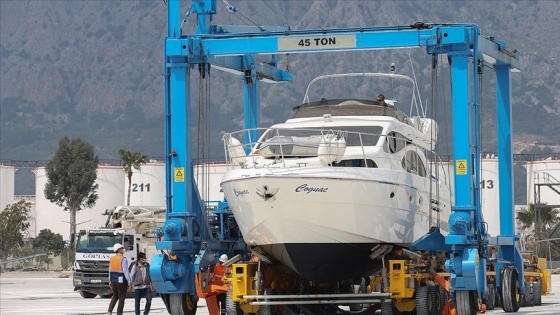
{"x":232,"y":308}
{"x":442,"y":298}
{"x":490,"y":301}
{"x":182,"y":304}
{"x":266,"y":309}
{"x":537,"y":293}
{"x":354,"y":307}
{"x":87,"y":295}
{"x":528,"y":294}
{"x":423,"y":301}
{"x":387,"y":308}
{"x":510,"y":293}
{"x":466,"y":302}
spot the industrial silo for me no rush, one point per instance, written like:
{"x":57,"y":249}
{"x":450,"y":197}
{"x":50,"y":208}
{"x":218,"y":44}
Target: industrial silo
{"x":543,"y":182}
{"x":489,"y":190}
{"x":111,"y":181}
{"x":208,"y":178}
{"x":7,"y":173}
{"x":147,"y":187}
{"x":490,"y":194}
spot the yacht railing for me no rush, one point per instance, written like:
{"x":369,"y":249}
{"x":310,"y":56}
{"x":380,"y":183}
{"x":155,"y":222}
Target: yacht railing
{"x":304,"y":147}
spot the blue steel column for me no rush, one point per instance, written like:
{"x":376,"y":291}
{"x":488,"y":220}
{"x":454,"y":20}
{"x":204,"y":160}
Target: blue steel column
{"x":507,"y":240}
{"x":252,"y":106}
{"x":173,"y":272}
{"x":463,"y":263}
{"x":505,"y":151}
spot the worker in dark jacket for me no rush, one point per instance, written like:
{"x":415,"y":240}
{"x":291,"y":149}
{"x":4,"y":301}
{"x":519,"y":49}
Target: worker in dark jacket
{"x":140,"y":275}
{"x":119,"y":279}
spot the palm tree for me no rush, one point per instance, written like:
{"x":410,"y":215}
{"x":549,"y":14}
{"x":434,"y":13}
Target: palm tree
{"x":131,"y":160}
{"x":547,"y":221}
{"x":548,"y":218}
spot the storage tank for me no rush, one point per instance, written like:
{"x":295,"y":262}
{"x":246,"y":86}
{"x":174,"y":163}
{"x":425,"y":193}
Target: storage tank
{"x":543,"y":175}
{"x":208,"y":178}
{"x":490,"y":194}
{"x":147,"y":185}
{"x":7,"y":174}
{"x":489,"y":190}
{"x":32,"y":230}
{"x":111,"y":181}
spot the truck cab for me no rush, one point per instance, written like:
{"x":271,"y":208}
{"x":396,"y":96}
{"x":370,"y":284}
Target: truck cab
{"x":94,"y":249}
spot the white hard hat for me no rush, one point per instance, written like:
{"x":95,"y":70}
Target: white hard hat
{"x":117,"y":246}
{"x":224,"y":258}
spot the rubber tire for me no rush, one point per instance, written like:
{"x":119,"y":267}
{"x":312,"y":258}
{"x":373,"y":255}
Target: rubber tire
{"x":387,"y":308}
{"x":528,"y":294}
{"x":355,"y":307}
{"x":442,"y":298}
{"x":433,"y":291}
{"x":87,"y":295}
{"x":510,"y":295}
{"x":423,"y":301}
{"x":491,"y":300}
{"x":465,"y":302}
{"x":182,"y":304}
{"x":106,"y":296}
{"x":232,"y":308}
{"x":267,"y":309}
{"x":537,"y":293}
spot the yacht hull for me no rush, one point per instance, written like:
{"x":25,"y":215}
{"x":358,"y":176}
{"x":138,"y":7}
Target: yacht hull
{"x":323,"y":222}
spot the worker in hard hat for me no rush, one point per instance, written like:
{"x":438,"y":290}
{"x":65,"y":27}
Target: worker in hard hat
{"x":219,"y":272}
{"x":119,"y":279}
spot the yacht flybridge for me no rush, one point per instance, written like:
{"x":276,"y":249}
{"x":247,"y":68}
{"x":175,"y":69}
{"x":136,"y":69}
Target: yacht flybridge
{"x":338,"y":185}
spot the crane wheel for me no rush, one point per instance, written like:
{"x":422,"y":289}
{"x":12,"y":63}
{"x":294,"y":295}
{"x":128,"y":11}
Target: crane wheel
{"x":510,"y":292}
{"x":537,"y":293}
{"x":491,"y":300}
{"x":182,"y":304}
{"x":424,"y":301}
{"x":465,"y":302}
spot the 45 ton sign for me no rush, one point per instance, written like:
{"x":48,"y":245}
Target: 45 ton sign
{"x":317,"y":42}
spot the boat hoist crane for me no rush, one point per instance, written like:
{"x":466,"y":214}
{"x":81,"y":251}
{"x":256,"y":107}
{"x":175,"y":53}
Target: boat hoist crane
{"x":231,"y":48}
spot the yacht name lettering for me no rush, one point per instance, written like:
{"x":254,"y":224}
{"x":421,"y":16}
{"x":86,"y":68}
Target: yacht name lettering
{"x":309,"y":189}
{"x":241,"y":193}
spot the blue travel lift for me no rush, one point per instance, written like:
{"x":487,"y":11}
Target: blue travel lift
{"x":231,"y":48}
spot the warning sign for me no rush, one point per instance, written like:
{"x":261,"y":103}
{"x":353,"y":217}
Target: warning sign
{"x":179,"y":174}
{"x":461,"y":167}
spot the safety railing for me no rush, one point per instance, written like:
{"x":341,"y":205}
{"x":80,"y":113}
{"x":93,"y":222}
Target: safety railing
{"x":305,"y":147}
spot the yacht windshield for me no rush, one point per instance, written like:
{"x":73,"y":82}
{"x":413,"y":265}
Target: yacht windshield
{"x":357,"y":135}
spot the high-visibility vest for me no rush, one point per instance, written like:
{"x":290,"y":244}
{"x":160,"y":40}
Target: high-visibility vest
{"x":116,"y":269}
{"x":219,"y":272}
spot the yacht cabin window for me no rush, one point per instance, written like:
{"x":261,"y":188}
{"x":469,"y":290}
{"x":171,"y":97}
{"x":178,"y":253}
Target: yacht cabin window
{"x":412,"y":163}
{"x":395,"y":142}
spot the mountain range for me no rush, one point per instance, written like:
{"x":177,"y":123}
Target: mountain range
{"x":93,"y":69}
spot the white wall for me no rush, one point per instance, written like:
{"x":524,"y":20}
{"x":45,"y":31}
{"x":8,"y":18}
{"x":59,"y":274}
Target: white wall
{"x":50,"y":216}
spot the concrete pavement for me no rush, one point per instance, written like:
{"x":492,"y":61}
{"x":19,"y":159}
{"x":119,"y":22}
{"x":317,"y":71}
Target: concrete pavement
{"x":52,"y":293}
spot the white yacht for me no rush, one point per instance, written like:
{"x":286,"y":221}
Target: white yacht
{"x":342,"y":182}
